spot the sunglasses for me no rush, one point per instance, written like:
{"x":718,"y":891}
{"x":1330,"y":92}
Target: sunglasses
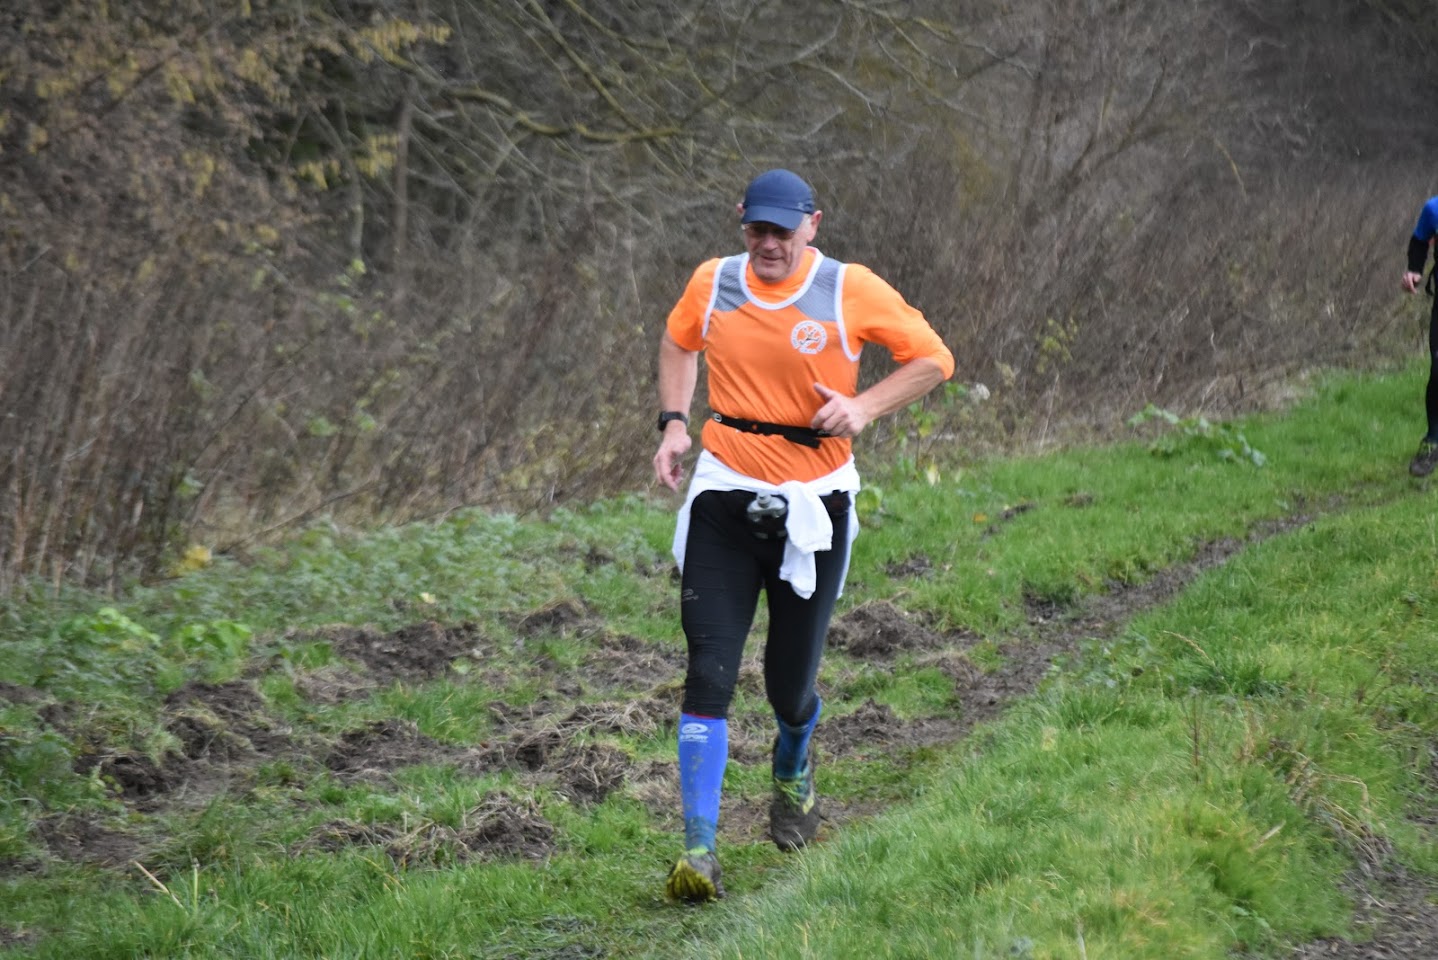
{"x":758,"y":230}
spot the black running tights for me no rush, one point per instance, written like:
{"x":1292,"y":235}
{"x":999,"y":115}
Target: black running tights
{"x":1430,"y":400}
{"x":725,"y":566}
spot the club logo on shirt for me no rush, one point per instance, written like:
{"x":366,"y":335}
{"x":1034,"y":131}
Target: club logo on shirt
{"x":808,"y":336}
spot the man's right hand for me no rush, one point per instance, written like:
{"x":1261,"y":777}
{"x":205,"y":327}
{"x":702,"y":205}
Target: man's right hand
{"x":668,"y":461}
{"x":1411,"y":281}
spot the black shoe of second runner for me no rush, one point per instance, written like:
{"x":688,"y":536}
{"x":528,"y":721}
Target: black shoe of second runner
{"x":1425,"y":460}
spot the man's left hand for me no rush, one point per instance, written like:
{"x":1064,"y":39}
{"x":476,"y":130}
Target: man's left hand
{"x":840,"y":416}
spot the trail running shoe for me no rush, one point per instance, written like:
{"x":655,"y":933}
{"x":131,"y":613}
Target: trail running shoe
{"x":794,"y":811}
{"x":696,"y":877}
{"x":1425,"y":460}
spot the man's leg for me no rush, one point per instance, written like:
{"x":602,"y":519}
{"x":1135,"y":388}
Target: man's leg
{"x":1430,"y":398}
{"x":718,"y":596}
{"x":798,"y":629}
{"x":1427,"y":457}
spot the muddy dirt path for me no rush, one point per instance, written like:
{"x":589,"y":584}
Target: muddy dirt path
{"x":226,"y":732}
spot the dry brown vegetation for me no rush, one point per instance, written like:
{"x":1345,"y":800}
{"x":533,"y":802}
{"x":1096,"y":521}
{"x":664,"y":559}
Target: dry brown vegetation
{"x":266,"y":259}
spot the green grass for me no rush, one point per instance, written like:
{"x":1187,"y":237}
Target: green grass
{"x":1193,"y":786}
{"x":1196,"y":790}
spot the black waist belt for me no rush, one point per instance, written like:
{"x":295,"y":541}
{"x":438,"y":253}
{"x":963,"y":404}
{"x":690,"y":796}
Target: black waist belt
{"x":804,"y":436}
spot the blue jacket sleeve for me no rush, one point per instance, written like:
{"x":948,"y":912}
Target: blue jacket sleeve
{"x":1423,"y":234}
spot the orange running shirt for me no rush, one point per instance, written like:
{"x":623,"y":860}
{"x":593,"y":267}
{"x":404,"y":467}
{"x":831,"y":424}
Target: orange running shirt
{"x":766,"y":345}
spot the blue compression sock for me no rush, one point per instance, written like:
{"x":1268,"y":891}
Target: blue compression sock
{"x":703,"y":752}
{"x":792,"y":751}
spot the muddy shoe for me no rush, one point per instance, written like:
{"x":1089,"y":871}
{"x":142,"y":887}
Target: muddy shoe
{"x":794,"y":811}
{"x":695,"y":877}
{"x":1425,"y":460}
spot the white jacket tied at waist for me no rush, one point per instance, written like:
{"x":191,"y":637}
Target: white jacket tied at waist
{"x":808,"y":525}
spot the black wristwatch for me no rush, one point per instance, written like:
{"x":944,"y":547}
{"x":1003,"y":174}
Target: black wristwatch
{"x":666,"y":415}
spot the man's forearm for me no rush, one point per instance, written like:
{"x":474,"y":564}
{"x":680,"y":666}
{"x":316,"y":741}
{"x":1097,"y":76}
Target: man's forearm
{"x":902,"y":387}
{"x":1417,"y":254}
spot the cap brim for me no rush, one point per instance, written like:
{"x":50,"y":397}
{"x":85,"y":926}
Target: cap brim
{"x":781,"y":216}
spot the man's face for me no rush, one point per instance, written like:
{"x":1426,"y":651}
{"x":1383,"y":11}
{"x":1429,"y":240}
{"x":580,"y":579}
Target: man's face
{"x":774,"y":252}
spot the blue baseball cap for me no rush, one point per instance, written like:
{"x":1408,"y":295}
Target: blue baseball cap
{"x":778,"y":197}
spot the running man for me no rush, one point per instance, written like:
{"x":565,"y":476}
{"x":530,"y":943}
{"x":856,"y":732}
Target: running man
{"x":770,"y":503}
{"x":1427,"y":457}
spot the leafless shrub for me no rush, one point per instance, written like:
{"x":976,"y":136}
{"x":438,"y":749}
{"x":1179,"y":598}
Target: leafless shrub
{"x":406,"y":256}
